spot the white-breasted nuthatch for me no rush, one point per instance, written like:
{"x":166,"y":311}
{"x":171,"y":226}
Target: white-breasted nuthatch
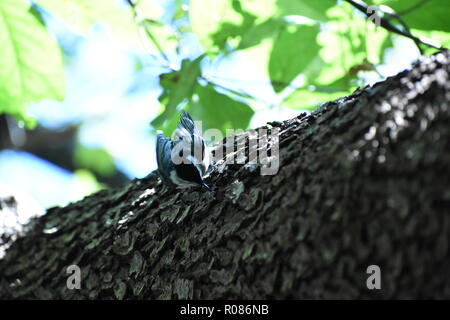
{"x":182,"y":162}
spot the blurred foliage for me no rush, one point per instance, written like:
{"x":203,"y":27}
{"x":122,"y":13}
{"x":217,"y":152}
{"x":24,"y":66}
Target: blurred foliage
{"x":103,"y":163}
{"x":312,"y":51}
{"x":425,"y":15}
{"x":31,"y":66}
{"x":86,"y":182}
{"x":82,"y":14}
{"x":178,"y":87}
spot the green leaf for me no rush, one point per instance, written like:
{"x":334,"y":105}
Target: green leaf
{"x":31,"y":65}
{"x":260,"y":32}
{"x":214,"y":110}
{"x":150,"y":9}
{"x":343,"y":46}
{"x":293,"y":51}
{"x":181,"y":11}
{"x":178,"y":86}
{"x":209,"y":17}
{"x":262,"y":9}
{"x":310,"y":99}
{"x":225,"y":22}
{"x":82,"y":14}
{"x":378,"y":41}
{"x":161,"y":37}
{"x":313,"y":9}
{"x":219,"y":111}
{"x":425,"y":15}
{"x":377,"y":2}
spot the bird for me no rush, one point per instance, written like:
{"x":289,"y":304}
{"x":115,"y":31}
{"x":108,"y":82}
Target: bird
{"x":183,"y":161}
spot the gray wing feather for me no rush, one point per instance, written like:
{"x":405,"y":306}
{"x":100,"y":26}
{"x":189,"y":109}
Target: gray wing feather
{"x":196,"y":140}
{"x":187,"y":123}
{"x":163,"y":157}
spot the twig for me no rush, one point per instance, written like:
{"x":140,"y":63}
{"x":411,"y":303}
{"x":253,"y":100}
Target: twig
{"x":240,"y":93}
{"x":386,"y":24}
{"x":143,"y":25}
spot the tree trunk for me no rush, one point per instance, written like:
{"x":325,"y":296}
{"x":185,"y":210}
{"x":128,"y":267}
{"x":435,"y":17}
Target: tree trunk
{"x":363,"y":181}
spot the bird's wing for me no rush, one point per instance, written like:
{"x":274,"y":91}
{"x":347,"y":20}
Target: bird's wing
{"x":163,"y":157}
{"x":189,"y":135}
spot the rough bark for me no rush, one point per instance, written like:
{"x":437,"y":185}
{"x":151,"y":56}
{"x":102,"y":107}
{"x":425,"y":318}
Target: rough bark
{"x":363,"y":180}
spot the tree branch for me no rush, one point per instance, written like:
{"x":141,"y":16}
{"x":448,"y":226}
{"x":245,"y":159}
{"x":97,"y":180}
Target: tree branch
{"x":386,"y":24}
